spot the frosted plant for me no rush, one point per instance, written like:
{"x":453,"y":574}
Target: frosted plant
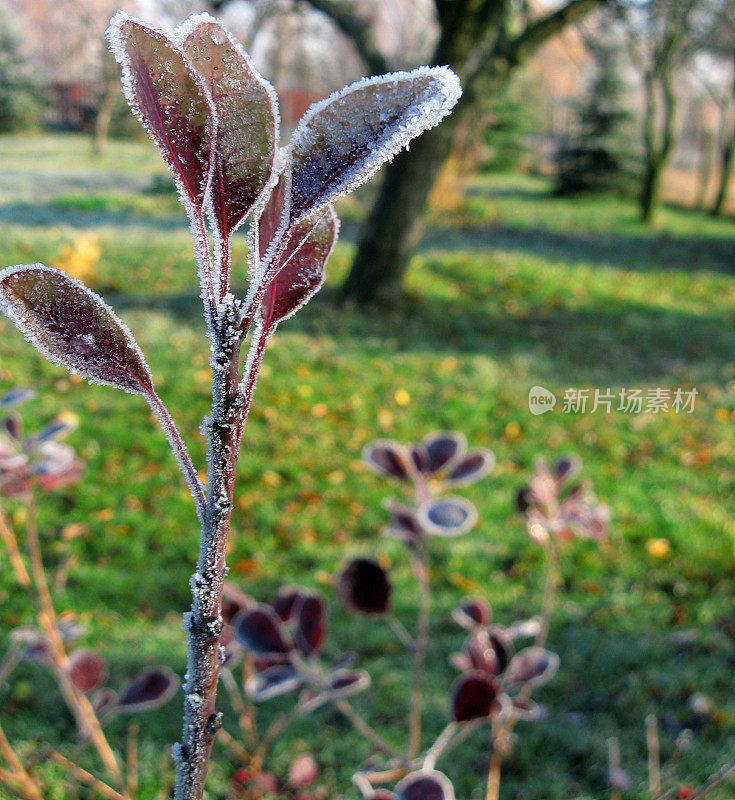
{"x":215,"y":121}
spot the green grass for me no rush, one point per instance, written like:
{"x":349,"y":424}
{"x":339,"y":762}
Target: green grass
{"x":514,"y":289}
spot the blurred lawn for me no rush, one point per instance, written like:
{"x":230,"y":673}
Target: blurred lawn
{"x":512,"y":289}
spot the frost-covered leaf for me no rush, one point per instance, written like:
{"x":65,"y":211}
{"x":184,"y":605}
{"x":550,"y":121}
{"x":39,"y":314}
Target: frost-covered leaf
{"x":425,"y":785}
{"x":87,"y":670}
{"x":285,"y":602}
{"x":363,"y":586}
{"x":104,"y":702}
{"x":73,"y":327}
{"x":343,"y":140}
{"x":169,"y":99}
{"x":150,"y":689}
{"x":311,"y":624}
{"x":472,"y":612}
{"x":448,"y":516}
{"x":387,"y":458}
{"x":475,"y":696}
{"x":471,"y":468}
{"x":260,"y":632}
{"x":247,"y":119}
{"x":442,"y":448}
{"x":16,"y":396}
{"x":525,"y":709}
{"x":300,"y":264}
{"x":273,"y":682}
{"x":532,"y":665}
{"x":344,"y":684}
{"x":272,"y":216}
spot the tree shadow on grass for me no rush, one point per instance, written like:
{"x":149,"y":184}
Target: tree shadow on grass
{"x":615,"y":343}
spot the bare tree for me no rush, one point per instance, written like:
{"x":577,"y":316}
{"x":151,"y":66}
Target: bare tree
{"x":661,"y":35}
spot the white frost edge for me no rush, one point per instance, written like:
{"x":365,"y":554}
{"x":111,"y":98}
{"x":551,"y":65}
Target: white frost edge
{"x":113,"y":34}
{"x":424,"y":116}
{"x":7,"y":307}
{"x":180,"y":34}
{"x":425,"y":522}
{"x":329,"y":212}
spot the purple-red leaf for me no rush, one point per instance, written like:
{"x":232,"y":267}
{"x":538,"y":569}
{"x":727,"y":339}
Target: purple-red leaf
{"x":87,"y":670}
{"x":425,"y":785}
{"x":471,"y":468}
{"x":300,"y":264}
{"x":73,"y":327}
{"x":285,"y":602}
{"x":472,"y":612}
{"x":311,"y":623}
{"x":442,"y":447}
{"x":149,"y":689}
{"x":533,"y":666}
{"x":387,"y":458}
{"x":170,"y":100}
{"x":260,"y":632}
{"x":247,"y":119}
{"x":343,"y":140}
{"x":363,"y":586}
{"x":273,"y":682}
{"x":474,"y":696}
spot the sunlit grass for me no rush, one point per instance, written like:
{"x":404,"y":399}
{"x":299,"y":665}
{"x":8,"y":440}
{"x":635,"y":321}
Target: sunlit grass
{"x":520,"y":289}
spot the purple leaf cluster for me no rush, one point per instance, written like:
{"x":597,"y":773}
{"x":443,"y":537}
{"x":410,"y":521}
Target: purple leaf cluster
{"x":40,"y":460}
{"x":555,"y":507}
{"x":437,"y":464}
{"x":495,"y":678}
{"x":86,"y":669}
{"x":285,"y":638}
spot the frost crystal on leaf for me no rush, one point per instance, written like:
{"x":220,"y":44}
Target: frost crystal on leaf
{"x":301,"y":264}
{"x":169,"y":99}
{"x":342,"y":141}
{"x":73,"y":327}
{"x":247,"y":119}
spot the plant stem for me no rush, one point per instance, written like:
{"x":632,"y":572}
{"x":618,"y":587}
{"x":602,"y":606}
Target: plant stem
{"x":654,"y":761}
{"x":204,"y":623}
{"x":77,"y":702}
{"x":11,"y":543}
{"x":360,"y":725}
{"x":421,"y":569}
{"x":715,"y":780}
{"x":493,"y":776}
{"x":85,"y":777}
{"x":131,"y":761}
{"x":613,"y":766}
{"x":550,"y":584}
{"x":506,"y":728}
{"x":18,"y":772}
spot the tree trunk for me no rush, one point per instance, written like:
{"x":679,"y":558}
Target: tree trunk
{"x":104,"y":116}
{"x":656,"y":152}
{"x":649,"y":189}
{"x":728,"y":150}
{"x":395,"y":222}
{"x":705,"y":170}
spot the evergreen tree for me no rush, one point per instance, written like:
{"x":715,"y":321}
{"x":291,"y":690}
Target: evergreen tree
{"x":20,"y":105}
{"x":597,"y":158}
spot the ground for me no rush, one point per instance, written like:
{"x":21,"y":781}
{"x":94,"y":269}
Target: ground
{"x":511,"y":289}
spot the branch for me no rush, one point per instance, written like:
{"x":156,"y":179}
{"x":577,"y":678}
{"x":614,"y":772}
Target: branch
{"x":356,"y":30}
{"x":541,"y":30}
